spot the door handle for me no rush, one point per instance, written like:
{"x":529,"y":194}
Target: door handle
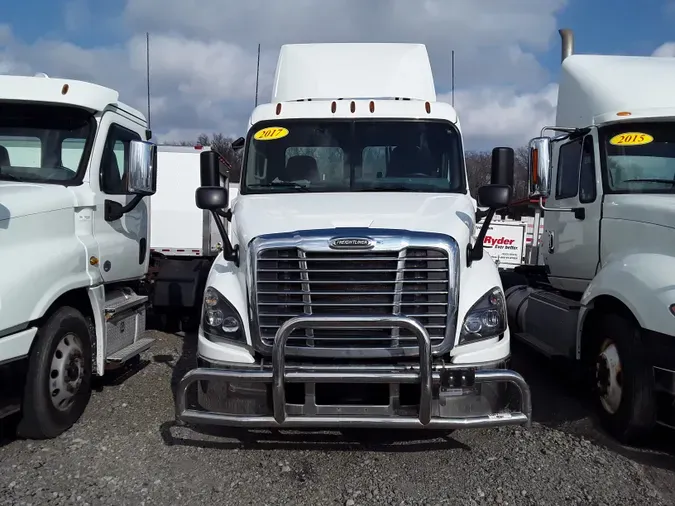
{"x":551,"y":241}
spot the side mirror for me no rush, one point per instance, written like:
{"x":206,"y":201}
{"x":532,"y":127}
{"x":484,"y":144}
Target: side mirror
{"x":211,"y":198}
{"x":539,"y":167}
{"x":209,"y":168}
{"x":494,"y":196}
{"x":142,"y":176}
{"x":238,"y":144}
{"x":503,"y":161}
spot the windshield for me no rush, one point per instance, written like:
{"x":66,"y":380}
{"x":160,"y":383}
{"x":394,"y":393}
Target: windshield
{"x":640,"y":157}
{"x":362,"y":155}
{"x":43,"y":143}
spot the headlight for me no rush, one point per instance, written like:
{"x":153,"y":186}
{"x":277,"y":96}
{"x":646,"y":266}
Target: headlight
{"x":486,"y":318}
{"x":220,"y":319}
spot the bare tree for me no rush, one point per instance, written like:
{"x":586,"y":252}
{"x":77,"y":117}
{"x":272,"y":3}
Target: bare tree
{"x":223,"y":145}
{"x":479,"y":167}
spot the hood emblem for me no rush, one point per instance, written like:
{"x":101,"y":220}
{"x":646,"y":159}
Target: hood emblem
{"x":351,"y":243}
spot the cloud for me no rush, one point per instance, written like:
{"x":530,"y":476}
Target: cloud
{"x":203,"y":60}
{"x":499,"y":114}
{"x":665,"y":50}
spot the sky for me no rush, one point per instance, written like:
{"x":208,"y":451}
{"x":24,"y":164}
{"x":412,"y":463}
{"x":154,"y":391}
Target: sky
{"x":203,"y":54}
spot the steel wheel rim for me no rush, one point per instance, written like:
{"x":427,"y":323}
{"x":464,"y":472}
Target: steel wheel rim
{"x":609,"y":376}
{"x":66,"y":372}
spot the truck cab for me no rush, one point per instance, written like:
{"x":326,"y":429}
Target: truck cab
{"x":76,"y":173}
{"x":603,"y":294}
{"x":350,"y":290}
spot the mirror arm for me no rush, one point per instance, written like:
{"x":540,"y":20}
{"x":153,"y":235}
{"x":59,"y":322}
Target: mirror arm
{"x":114,"y":210}
{"x":475,"y":252}
{"x":579,"y":212}
{"x":230,"y":253}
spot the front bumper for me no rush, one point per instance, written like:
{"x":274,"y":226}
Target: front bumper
{"x":450,"y":396}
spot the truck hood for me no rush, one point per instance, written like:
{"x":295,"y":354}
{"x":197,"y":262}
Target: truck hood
{"x":22,"y":199}
{"x":645,"y":208}
{"x":452,"y":214}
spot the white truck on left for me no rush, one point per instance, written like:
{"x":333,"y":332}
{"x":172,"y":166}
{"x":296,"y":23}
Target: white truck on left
{"x":76,"y":174}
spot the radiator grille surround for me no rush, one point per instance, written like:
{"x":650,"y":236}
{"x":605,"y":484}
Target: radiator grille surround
{"x":400,"y":272}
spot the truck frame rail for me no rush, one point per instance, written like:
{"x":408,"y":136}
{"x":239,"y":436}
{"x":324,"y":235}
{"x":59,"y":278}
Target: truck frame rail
{"x":425,"y":375}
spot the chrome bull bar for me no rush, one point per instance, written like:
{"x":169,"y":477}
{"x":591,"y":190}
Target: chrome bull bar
{"x":278,"y":376}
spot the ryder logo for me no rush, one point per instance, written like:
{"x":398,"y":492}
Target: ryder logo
{"x":497,"y":241}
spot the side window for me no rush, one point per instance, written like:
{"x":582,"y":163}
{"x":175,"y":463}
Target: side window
{"x":115,"y":160}
{"x":587,"y":189}
{"x":569,"y":161}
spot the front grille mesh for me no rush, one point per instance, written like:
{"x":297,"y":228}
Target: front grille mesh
{"x":412,"y":282}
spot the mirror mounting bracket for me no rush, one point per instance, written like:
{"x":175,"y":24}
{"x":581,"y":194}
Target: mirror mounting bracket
{"x":113,"y":210}
{"x":225,"y":214}
{"x":579,"y":212}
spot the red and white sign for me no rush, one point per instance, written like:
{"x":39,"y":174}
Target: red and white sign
{"x":505,"y":243}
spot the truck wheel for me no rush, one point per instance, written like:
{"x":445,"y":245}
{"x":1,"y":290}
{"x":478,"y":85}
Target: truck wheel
{"x":622,"y":380}
{"x":58,"y":382}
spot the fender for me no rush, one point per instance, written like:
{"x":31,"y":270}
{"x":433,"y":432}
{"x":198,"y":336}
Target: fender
{"x":230,"y":281}
{"x":31,"y":253}
{"x":474,"y":282}
{"x":644,"y":282}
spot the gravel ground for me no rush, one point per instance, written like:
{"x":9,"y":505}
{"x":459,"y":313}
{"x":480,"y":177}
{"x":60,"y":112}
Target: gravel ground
{"x":125,"y":450}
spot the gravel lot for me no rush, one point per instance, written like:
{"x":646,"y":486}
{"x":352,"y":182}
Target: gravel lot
{"x":126,"y":451}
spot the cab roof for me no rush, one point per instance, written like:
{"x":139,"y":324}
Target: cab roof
{"x":43,"y":89}
{"x":353,"y":71}
{"x":594,"y":88}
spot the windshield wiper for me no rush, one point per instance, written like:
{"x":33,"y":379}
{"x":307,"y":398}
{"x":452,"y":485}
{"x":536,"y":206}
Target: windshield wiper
{"x":650,"y":180}
{"x":280,"y":185}
{"x":9,"y":177}
{"x":388,"y":188}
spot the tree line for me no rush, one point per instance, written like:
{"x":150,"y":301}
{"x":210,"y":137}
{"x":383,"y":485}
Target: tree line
{"x":478,"y":163}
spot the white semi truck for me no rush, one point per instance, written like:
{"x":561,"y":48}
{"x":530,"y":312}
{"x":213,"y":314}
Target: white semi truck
{"x":77,"y":172}
{"x":603,"y":294}
{"x":351,"y":292}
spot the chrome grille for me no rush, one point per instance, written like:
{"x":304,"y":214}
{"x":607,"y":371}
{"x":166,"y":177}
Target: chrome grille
{"x":414,"y":281}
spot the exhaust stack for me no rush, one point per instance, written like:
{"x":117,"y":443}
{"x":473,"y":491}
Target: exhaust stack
{"x":567,"y":37}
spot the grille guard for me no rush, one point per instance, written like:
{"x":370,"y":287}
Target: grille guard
{"x":278,"y":376}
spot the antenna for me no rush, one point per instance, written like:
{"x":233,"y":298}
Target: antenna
{"x":257,"y":77}
{"x":452,"y":64}
{"x":147,"y":70}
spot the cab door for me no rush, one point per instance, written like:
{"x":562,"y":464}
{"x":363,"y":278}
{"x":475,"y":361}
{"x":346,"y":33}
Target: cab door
{"x":572,"y":240}
{"x":123,"y":242}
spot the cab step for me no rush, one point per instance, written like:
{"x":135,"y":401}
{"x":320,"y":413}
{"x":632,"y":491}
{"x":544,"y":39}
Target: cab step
{"x":123,"y":301}
{"x":129,"y":352}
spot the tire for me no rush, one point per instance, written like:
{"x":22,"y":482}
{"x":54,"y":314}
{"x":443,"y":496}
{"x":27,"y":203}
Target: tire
{"x":631,"y":415}
{"x":61,"y":357}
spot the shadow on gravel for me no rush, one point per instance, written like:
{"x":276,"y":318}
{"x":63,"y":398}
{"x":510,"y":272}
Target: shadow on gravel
{"x":557,"y":402}
{"x":342,"y":441}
